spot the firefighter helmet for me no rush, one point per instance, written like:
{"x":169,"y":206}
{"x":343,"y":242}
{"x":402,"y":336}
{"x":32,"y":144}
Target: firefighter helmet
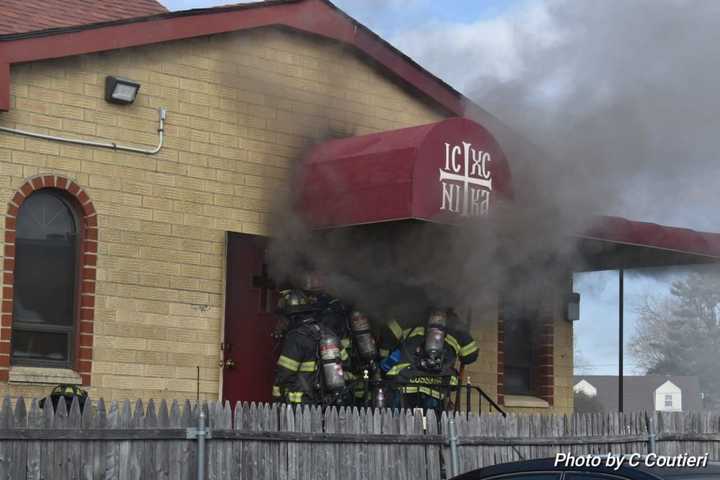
{"x":68,"y":392}
{"x":312,"y":282}
{"x":294,"y":302}
{"x":334,"y":313}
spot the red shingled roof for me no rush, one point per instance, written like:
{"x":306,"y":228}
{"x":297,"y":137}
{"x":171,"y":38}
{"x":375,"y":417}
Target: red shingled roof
{"x":19,"y":16}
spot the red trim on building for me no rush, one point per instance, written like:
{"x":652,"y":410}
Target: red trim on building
{"x":316,"y":17}
{"x":4,"y":85}
{"x":86,"y":285}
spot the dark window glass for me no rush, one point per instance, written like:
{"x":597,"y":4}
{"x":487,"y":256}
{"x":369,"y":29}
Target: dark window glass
{"x":519,"y":326}
{"x":40,"y":345}
{"x":46,"y":259}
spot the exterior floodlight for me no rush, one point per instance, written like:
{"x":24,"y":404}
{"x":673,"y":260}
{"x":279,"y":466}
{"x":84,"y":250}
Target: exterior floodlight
{"x":120,"y":90}
{"x":573,"y":307}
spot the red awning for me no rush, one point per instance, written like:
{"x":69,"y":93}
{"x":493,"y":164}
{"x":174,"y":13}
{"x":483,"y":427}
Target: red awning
{"x":629,"y":232}
{"x":442,"y":172}
{"x":451,"y":171}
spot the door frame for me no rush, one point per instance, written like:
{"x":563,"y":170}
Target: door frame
{"x":221,"y":353}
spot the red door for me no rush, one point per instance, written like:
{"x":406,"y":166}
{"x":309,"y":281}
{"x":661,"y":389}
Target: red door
{"x":249,"y":352}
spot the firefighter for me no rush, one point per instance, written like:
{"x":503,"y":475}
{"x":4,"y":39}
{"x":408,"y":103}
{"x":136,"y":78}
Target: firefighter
{"x":309,"y":369}
{"x":423,"y":367}
{"x":395,"y":325}
{"x":333,"y":312}
{"x":335,"y":315}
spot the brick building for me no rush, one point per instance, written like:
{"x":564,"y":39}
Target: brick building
{"x":147,"y":238}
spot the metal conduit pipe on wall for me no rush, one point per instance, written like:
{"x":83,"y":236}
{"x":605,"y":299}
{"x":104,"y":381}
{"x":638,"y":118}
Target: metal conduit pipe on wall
{"x":114,"y":146}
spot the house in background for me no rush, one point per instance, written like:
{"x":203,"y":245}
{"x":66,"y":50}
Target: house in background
{"x":662,"y":393}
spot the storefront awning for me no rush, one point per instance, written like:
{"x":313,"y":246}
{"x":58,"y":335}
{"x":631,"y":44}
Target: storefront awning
{"x":443,"y":172}
{"x":614,"y":242}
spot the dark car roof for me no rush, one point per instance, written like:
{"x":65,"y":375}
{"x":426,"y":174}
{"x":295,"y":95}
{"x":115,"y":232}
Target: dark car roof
{"x":711,"y":471}
{"x":548,"y":465}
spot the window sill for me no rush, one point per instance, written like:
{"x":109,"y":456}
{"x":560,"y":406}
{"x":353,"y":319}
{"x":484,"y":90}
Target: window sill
{"x":40,"y":375}
{"x":523,"y":401}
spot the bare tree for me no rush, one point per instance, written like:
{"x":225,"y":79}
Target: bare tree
{"x":581,"y":364}
{"x":680,"y":334}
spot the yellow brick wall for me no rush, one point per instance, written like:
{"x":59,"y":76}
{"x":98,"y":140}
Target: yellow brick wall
{"x":563,"y":350}
{"x":241,"y":109}
{"x":563,"y":365}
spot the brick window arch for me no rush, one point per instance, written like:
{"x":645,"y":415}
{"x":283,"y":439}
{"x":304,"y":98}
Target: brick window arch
{"x":87,"y":261}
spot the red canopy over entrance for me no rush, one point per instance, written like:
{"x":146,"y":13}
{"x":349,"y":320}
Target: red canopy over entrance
{"x":454,"y":169}
{"x":438,"y":172}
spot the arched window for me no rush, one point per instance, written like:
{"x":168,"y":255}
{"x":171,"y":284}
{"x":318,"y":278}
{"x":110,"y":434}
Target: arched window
{"x":45,"y":301}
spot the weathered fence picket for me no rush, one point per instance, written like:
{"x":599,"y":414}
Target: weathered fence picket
{"x":319,"y":464}
{"x":35,"y":421}
{"x":95,"y":418}
{"x":47,"y":462}
{"x":432,"y":452}
{"x":288,"y":450}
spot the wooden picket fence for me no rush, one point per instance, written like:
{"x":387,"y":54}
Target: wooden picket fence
{"x":488,"y":440}
{"x":267,"y":442}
